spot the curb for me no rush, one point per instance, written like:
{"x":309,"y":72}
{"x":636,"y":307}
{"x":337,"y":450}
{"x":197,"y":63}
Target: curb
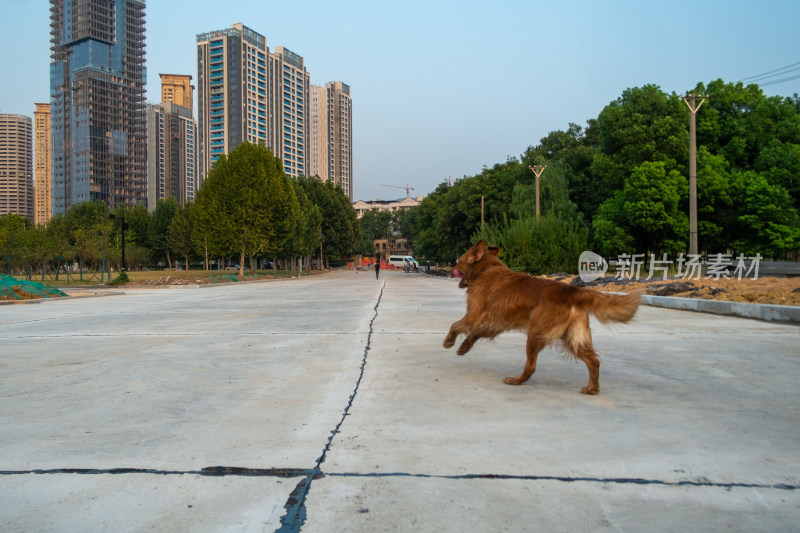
{"x":767,"y":312}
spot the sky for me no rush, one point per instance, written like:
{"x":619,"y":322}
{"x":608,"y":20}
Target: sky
{"x":442,"y":89}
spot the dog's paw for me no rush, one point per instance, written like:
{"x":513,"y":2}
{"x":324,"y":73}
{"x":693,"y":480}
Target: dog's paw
{"x":464,"y":348}
{"x":590,"y":390}
{"x":513,"y":381}
{"x":448,"y":343}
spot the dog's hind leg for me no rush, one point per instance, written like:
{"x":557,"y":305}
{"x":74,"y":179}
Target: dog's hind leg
{"x":532,"y":348}
{"x":587,"y":354}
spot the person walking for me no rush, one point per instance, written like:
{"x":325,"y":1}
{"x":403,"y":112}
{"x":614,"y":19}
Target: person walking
{"x":377,"y":268}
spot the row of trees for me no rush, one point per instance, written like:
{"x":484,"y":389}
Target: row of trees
{"x":246,"y":208}
{"x":620,"y":185}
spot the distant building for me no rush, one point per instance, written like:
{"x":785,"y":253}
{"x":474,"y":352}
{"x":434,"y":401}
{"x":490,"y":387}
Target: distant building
{"x":42,"y":174}
{"x":178,"y":89}
{"x":232,"y":102}
{"x":384,"y":248}
{"x":331,"y":150}
{"x":318,"y":132}
{"x":16,"y":166}
{"x":289,"y":99}
{"x":171,"y":154}
{"x":98,"y":109}
{"x":247,"y":93}
{"x":362,"y":207}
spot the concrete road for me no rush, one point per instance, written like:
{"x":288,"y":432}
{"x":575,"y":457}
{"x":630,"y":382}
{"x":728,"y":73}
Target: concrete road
{"x":328,"y":404}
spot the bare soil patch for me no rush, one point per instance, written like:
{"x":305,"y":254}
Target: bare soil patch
{"x":764,"y":290}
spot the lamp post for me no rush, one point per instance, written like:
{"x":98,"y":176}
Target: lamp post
{"x":691,"y":101}
{"x":537,"y":171}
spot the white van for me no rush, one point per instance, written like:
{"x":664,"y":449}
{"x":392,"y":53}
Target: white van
{"x":403,"y":261}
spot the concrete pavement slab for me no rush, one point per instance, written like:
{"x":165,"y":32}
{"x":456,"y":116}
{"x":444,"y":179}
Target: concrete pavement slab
{"x":330,"y":405}
{"x":141,"y":502}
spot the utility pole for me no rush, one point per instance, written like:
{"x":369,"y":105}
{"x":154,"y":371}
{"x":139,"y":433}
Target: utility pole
{"x":537,"y":171}
{"x":691,"y":101}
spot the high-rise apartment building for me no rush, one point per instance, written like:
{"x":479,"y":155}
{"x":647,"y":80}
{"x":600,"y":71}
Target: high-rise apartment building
{"x":171,"y":153}
{"x":178,"y":89}
{"x":331,"y":150}
{"x":98,"y":110}
{"x":289,"y":96}
{"x":244,"y":92}
{"x":340,"y":135}
{"x":41,"y":164}
{"x":318,"y":127}
{"x":16,"y":166}
{"x":231,"y":92}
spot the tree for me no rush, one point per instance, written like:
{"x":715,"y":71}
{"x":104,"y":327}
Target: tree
{"x":643,"y":125}
{"x":375,"y":224}
{"x":88,"y":227}
{"x":551,"y":244}
{"x":179,"y":234}
{"x":14,"y":231}
{"x":609,"y":228}
{"x":246,"y":205}
{"x":305,"y":238}
{"x":165,"y":211}
{"x":575,"y":149}
{"x":650,"y":200}
{"x":341,"y":232}
{"x":764,"y":220}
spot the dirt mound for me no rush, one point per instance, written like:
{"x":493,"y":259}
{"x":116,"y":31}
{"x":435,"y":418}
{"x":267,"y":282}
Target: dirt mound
{"x":764,"y":290}
{"x":12,"y":288}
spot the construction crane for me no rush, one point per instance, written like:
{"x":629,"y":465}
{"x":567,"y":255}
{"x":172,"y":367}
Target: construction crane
{"x":407,"y":188}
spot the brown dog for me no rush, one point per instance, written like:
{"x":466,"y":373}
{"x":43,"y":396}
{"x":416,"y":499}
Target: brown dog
{"x":499,"y":299}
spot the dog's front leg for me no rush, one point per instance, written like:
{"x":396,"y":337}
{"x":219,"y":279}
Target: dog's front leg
{"x":467,"y":344}
{"x":456,"y":329}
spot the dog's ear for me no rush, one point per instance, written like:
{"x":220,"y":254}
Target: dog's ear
{"x":477,"y":252}
{"x":493,"y":250}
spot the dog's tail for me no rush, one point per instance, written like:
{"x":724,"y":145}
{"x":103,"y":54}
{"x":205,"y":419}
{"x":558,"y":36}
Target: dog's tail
{"x":612,"y":307}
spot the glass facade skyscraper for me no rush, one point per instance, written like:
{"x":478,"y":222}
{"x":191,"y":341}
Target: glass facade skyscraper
{"x":98,"y":110}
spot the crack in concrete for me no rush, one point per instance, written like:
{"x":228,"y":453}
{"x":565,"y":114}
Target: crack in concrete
{"x":211,"y":471}
{"x":183,"y":334}
{"x":295,"y":506}
{"x":316,"y":473}
{"x":702,"y":482}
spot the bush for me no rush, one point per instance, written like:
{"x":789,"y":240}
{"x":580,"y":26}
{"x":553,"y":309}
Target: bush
{"x":122,"y":279}
{"x":552,"y":245}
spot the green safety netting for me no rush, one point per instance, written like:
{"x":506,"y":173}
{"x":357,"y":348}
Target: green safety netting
{"x":12,"y":288}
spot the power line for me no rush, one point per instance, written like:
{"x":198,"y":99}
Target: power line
{"x":772,"y":73}
{"x":775,"y":82}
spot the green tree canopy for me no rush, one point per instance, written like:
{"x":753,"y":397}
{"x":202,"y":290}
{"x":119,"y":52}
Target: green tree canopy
{"x":341,"y":231}
{"x":246,"y":205}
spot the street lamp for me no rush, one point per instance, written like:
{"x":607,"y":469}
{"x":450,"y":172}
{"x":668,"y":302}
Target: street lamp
{"x":537,"y":171}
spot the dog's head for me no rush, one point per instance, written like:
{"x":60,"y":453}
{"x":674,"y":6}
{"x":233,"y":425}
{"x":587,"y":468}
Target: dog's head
{"x":471,"y":262}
